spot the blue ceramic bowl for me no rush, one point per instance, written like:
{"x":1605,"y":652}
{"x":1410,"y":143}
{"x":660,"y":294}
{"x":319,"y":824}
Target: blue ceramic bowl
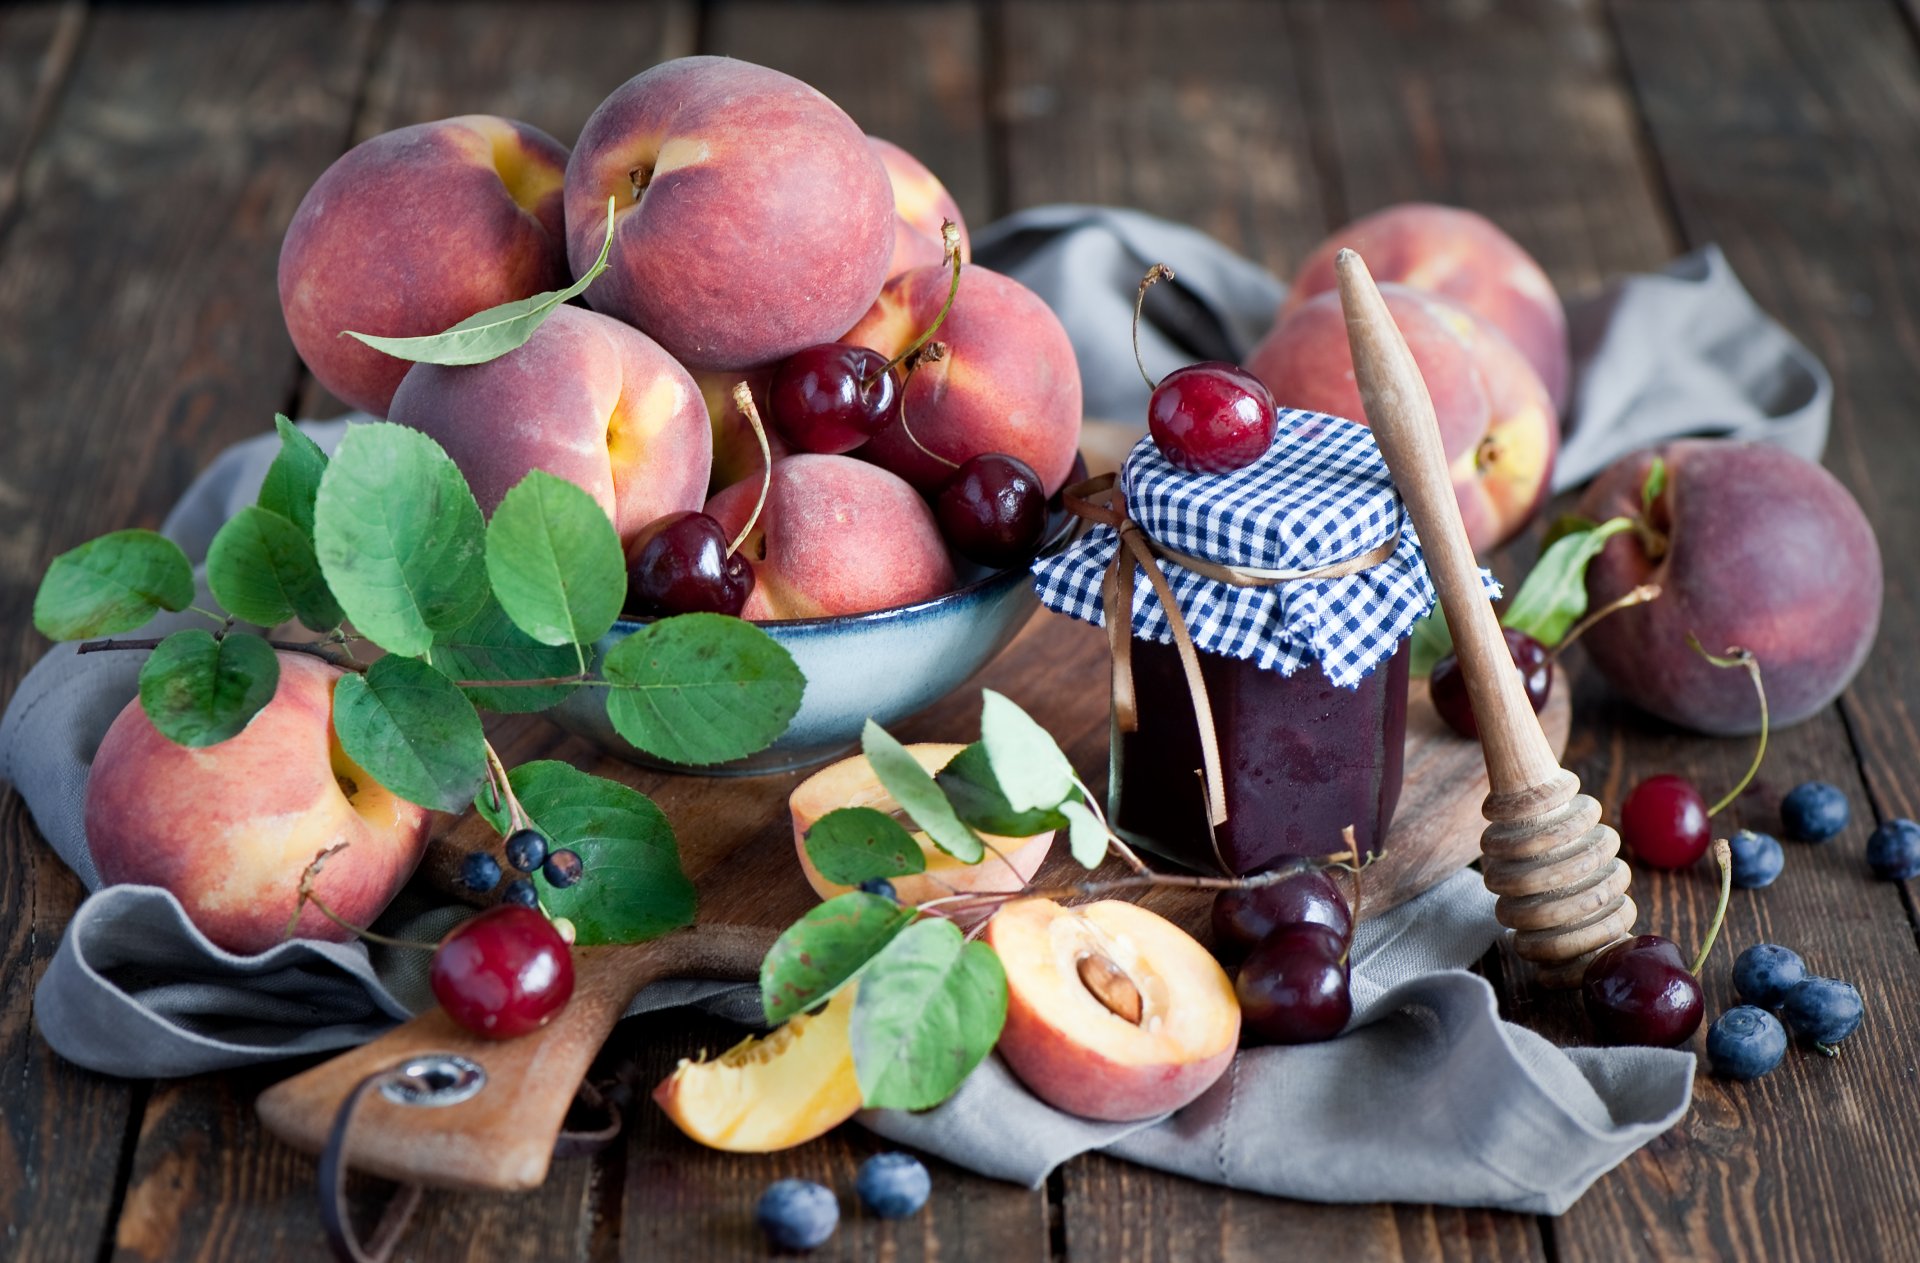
{"x":887,"y":664}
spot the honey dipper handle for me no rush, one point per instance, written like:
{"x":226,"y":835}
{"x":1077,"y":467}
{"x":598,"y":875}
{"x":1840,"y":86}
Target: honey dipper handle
{"x":1401,"y":415}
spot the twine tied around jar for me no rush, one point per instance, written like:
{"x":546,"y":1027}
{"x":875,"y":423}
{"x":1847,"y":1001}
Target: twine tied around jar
{"x":1098,"y":500}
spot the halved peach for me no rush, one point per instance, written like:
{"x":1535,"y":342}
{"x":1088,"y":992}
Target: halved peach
{"x":851,"y":783}
{"x":773,"y":1091}
{"x":1113,"y":1012}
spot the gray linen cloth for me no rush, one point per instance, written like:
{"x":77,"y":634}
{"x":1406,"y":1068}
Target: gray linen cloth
{"x":1429,"y":1096}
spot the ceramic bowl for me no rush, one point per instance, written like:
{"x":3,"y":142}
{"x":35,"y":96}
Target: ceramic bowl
{"x":886,"y":664}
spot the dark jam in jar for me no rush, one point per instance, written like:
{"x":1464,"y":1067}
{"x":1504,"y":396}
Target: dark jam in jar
{"x":1302,"y":759}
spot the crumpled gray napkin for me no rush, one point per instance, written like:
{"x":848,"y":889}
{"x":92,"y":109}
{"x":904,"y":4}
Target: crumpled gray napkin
{"x":1428,"y":1098}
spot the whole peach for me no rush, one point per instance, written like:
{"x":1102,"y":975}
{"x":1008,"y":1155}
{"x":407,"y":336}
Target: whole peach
{"x":587,"y":399}
{"x":920,"y":205}
{"x":413,"y":231}
{"x":1460,"y":255}
{"x":1762,"y":550}
{"x":838,"y":536}
{"x":753,"y":219}
{"x":1008,"y":381}
{"x":230,"y":828}
{"x":1496,"y":422}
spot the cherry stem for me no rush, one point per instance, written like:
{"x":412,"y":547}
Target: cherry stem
{"x":950,"y":242}
{"x":1639,"y":596}
{"x":1723,"y":856}
{"x":743,"y":400}
{"x":310,"y":896}
{"x":935,"y":353}
{"x":1738,"y":657}
{"x":1158,"y":272}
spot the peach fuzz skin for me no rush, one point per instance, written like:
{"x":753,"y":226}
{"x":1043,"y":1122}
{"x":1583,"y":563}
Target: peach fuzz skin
{"x":921,"y":204}
{"x":1496,"y":422}
{"x":838,"y":536}
{"x":1078,"y":1056}
{"x":1009,"y":382}
{"x":1460,"y":255}
{"x":736,"y":452}
{"x":761,"y":223}
{"x":413,"y":231}
{"x":587,"y":399}
{"x":230,"y":828}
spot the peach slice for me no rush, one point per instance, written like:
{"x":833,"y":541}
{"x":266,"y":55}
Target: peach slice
{"x":851,"y":783}
{"x":1113,"y":1012}
{"x":773,"y":1091}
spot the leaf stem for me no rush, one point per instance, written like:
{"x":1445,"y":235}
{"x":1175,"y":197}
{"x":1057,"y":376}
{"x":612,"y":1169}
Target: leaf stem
{"x":1743,"y":658}
{"x":309,"y":648}
{"x":1115,"y":842}
{"x":743,"y":400}
{"x":1158,"y":272}
{"x":517,"y":817}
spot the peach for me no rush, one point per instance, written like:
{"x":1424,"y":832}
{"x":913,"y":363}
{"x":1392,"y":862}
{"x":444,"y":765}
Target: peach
{"x":413,"y":231}
{"x":1007,"y":383}
{"x":753,"y":219}
{"x":1763,"y":550}
{"x":838,"y":536}
{"x":772,"y":1092}
{"x":1113,"y":1012}
{"x":1496,"y":421}
{"x":851,"y":783}
{"x":736,"y":453}
{"x":587,"y":399}
{"x":920,"y":205}
{"x":230,"y":828}
{"x":1459,"y":255}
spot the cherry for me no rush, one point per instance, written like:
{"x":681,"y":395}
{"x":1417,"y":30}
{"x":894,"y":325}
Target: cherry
{"x":1211,"y":417}
{"x":681,"y":566}
{"x":1293,"y":987}
{"x":1664,"y":822}
{"x":504,"y":973}
{"x":1241,"y":918}
{"x":993,"y":510}
{"x":1639,"y":991}
{"x":1449,"y":686}
{"x":833,"y":397}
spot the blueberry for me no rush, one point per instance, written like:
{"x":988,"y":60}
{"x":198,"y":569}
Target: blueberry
{"x":1764,"y":973}
{"x":562,"y":869}
{"x":1893,"y":852}
{"x":893,"y":1185}
{"x":479,"y":872}
{"x":882,"y":887}
{"x":797,"y":1214}
{"x":526,"y":849}
{"x":1822,"y":1011}
{"x":1757,"y":859}
{"x":1745,"y":1043}
{"x":521,"y":891}
{"x":1814,"y":812}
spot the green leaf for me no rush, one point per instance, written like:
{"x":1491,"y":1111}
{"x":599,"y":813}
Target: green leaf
{"x":294,"y":477}
{"x":1655,"y":485}
{"x":913,"y":788}
{"x":701,"y":688}
{"x":929,"y":1010}
{"x":199,"y":691}
{"x":850,"y":845}
{"x":112,"y":584}
{"x":1554,"y":595}
{"x":555,"y":561}
{"x":490,"y":334}
{"x":1085,"y":834}
{"x":489,"y":647}
{"x":968,"y":782}
{"x":1032,"y":771}
{"x":262,"y":570}
{"x":825,"y":949}
{"x":409,"y":728}
{"x":399,"y":537}
{"x":1431,"y":640}
{"x":633,"y":888}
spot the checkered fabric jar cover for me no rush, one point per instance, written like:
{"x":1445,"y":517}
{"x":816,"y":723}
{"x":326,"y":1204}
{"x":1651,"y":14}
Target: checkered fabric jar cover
{"x":1319,"y":496}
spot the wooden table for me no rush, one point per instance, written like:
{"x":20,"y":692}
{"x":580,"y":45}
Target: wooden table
{"x":150,"y":158}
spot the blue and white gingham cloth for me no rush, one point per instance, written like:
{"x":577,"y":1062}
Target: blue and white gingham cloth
{"x":1320,"y":495}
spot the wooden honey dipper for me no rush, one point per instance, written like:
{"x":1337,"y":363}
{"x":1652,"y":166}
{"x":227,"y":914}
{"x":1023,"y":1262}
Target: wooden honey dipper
{"x":1557,"y":870}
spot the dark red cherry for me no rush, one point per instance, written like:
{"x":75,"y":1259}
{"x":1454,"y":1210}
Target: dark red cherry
{"x":1241,"y":918}
{"x":1449,"y":686}
{"x":1664,"y":822}
{"x":504,"y":973}
{"x":1639,"y":991}
{"x":1293,"y":986}
{"x":1211,"y":417}
{"x":833,"y":397}
{"x":993,"y":510}
{"x":680,"y":566}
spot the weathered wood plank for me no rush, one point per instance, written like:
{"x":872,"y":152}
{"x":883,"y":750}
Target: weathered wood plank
{"x":37,"y":46}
